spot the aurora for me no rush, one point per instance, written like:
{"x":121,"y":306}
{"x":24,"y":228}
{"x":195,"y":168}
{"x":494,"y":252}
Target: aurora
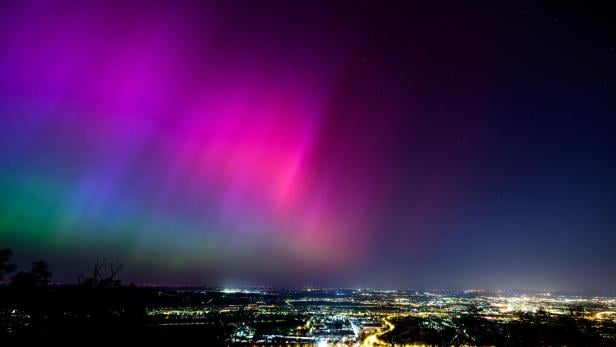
{"x":309,"y":144}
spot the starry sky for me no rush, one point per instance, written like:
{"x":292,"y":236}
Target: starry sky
{"x":322,"y":143}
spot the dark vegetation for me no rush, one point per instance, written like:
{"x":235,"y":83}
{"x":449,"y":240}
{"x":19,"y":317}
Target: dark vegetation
{"x":99,"y":307}
{"x":30,"y":306}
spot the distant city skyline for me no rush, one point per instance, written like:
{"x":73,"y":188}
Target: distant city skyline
{"x":311,"y":143}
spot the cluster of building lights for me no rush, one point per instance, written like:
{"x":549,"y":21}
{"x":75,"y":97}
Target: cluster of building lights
{"x":360,"y":317}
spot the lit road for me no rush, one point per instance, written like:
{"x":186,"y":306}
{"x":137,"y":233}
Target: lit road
{"x":373,"y":339}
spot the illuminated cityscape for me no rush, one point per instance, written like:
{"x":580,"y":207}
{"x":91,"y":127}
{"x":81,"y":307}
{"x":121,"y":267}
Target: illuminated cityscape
{"x":372,"y":317}
{"x":365,"y":317}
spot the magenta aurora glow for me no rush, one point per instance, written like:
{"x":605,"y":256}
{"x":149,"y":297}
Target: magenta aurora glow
{"x":308,"y":144}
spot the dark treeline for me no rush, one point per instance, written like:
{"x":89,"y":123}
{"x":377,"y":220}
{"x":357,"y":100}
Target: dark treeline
{"x":30,"y":306}
{"x":98,"y":307}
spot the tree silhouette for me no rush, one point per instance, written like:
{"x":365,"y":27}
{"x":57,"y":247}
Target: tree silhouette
{"x":41,"y":273}
{"x":38,"y":277}
{"x":98,"y":280}
{"x":6,"y":267}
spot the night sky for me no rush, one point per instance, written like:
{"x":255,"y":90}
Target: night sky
{"x":323,"y":143}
